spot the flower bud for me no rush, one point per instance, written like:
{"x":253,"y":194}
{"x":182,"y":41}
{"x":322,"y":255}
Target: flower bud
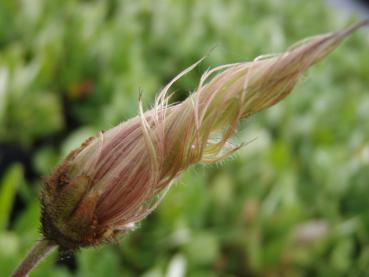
{"x":117,"y":177}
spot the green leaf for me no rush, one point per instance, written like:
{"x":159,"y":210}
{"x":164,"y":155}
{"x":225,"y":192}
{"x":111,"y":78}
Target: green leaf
{"x":203,"y":249}
{"x":8,"y":189}
{"x":99,"y":262}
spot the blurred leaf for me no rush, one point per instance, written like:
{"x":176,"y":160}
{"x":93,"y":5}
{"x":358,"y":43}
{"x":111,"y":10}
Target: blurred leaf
{"x":45,"y":160}
{"x":76,"y":139}
{"x":8,"y":189}
{"x":187,"y":200}
{"x":31,"y":116}
{"x":9,"y":244}
{"x":203,"y":248}
{"x":341,"y":255}
{"x":27,"y":224}
{"x":99,"y":262}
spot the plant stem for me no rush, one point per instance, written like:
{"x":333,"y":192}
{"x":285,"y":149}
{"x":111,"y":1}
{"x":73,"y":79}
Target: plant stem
{"x":37,"y":253}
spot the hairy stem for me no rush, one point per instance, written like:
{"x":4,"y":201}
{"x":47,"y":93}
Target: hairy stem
{"x":37,"y":253}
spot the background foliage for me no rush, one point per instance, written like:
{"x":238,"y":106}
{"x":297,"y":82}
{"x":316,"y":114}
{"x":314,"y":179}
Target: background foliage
{"x":294,"y":202}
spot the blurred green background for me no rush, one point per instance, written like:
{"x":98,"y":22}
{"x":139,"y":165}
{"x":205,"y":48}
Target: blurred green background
{"x":294,"y":202}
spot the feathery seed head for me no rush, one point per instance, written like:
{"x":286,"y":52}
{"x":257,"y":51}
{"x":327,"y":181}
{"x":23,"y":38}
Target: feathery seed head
{"x":116,"y":178}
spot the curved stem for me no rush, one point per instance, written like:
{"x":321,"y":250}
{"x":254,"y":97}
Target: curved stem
{"x":37,"y":253}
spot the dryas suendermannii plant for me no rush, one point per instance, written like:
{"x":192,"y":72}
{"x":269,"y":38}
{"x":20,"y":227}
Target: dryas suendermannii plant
{"x":118,"y":177}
